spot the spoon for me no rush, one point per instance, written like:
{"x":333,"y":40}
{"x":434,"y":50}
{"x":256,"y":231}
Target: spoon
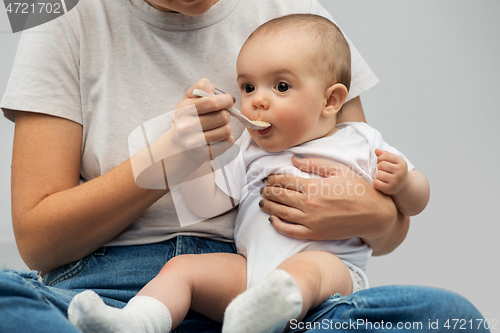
{"x":255,"y":124}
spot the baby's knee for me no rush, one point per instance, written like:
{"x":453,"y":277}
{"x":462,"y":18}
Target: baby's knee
{"x":305,"y":272}
{"x":321,"y":273}
{"x":180,"y":263}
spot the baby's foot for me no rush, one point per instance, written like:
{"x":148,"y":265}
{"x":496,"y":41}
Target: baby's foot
{"x":273,"y":302}
{"x":88,"y":313}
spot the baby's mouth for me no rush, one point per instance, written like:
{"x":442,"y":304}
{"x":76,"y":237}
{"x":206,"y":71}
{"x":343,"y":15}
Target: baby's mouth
{"x":265,"y":130}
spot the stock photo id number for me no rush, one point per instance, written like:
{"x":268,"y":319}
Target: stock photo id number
{"x":28,"y":14}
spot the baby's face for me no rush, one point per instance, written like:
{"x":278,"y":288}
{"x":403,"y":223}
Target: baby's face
{"x":186,"y":7}
{"x":278,"y":87}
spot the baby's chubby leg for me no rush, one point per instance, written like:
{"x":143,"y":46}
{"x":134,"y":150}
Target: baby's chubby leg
{"x":299,"y":284}
{"x":318,"y":275}
{"x":203,"y":282}
{"x":206,"y":283}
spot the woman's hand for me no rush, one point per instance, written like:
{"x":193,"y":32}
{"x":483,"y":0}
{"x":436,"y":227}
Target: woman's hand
{"x":340,"y":205}
{"x":203,"y":121}
{"x":56,"y":219}
{"x":200,"y":132}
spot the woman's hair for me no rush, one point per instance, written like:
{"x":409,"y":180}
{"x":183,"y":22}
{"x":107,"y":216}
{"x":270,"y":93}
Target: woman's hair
{"x":332,"y":56}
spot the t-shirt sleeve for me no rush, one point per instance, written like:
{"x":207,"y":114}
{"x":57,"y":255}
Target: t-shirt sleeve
{"x":45,"y":74}
{"x":362,"y":77}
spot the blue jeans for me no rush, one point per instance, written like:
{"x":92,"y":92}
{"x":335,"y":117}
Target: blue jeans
{"x":28,"y":304}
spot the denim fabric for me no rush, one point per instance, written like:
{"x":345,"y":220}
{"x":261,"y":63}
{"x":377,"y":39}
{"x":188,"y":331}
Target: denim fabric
{"x":28,"y":304}
{"x":116,"y":273}
{"x":393,"y":309}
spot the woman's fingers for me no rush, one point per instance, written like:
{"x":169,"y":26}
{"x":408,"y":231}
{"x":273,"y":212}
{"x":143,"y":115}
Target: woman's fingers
{"x":215,"y":119}
{"x":202,"y":84}
{"x":213,"y":103}
{"x":314,"y":208}
{"x":218,"y":134}
{"x":287,"y":181}
{"x":290,"y":229}
{"x":284,"y":196}
{"x":286,"y":213}
{"x":202,"y":121}
{"x":207,"y":104}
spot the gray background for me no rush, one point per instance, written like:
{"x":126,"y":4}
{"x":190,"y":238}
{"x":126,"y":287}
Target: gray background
{"x":437,"y":102}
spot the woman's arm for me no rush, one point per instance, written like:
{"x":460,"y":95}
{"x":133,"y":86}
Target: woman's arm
{"x":56,"y":220}
{"x":351,"y":111}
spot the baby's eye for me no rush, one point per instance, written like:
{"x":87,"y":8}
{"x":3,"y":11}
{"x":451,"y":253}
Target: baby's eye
{"x":282,"y":86}
{"x":249,"y":88}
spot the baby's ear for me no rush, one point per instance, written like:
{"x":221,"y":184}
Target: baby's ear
{"x":335,"y":97}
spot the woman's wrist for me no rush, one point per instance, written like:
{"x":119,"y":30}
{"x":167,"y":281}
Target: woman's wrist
{"x":391,"y":238}
{"x":387,"y":228}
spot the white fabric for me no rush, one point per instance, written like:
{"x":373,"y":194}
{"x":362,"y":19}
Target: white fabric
{"x":270,"y":304}
{"x":353,"y":145}
{"x":88,"y":312}
{"x":112,"y":65}
{"x":357,"y":280}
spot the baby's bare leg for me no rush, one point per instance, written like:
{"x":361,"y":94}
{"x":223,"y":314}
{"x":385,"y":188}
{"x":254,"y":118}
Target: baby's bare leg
{"x":206,"y":283}
{"x":203,"y":282}
{"x":318,"y":275}
{"x":300,"y":283}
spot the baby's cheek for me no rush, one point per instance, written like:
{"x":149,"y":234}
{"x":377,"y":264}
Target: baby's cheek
{"x":244,"y":111}
{"x":287,"y":120}
{"x":294,"y":125}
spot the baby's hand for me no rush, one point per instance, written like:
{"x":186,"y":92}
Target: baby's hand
{"x":391,"y":174}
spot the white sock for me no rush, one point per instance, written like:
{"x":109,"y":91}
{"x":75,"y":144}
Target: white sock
{"x":88,"y":313}
{"x":273,"y":302}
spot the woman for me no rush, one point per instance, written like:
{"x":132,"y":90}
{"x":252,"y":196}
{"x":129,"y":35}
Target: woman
{"x":81,"y":85}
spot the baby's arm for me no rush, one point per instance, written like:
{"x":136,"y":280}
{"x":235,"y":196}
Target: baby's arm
{"x":408,"y":188}
{"x":202,"y":195}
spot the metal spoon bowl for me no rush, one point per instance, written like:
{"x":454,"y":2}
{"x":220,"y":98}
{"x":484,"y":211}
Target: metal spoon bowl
{"x":253,"y":124}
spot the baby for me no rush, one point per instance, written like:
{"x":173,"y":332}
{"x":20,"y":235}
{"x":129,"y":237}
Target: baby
{"x":294,"y":73}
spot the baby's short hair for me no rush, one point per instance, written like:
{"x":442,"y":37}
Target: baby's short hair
{"x":332,"y":58}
